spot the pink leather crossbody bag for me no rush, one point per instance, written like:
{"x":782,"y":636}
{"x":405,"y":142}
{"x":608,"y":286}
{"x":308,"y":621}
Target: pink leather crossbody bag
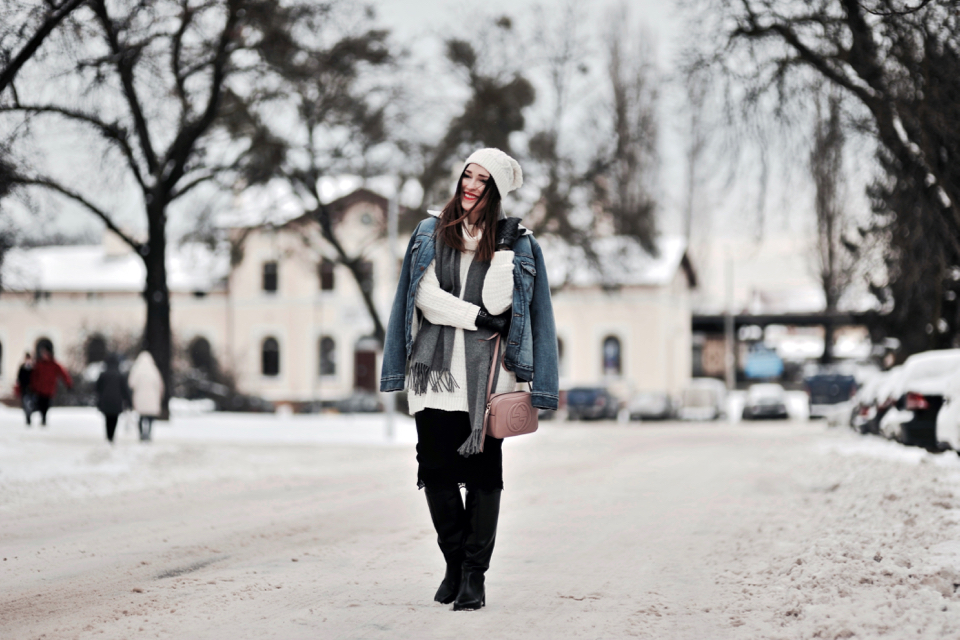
{"x":507,"y":414}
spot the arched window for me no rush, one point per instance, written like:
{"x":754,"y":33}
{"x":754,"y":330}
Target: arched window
{"x":328,"y":356}
{"x":611,"y":356}
{"x":96,"y":348}
{"x":327,"y":275}
{"x":43,"y":343}
{"x":201,"y":355}
{"x":270,"y":357}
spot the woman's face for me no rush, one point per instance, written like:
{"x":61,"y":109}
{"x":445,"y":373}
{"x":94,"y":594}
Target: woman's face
{"x":473,"y":186}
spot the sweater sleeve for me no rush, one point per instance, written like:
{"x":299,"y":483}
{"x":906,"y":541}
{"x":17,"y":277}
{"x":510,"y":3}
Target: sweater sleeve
{"x":441,"y":307}
{"x":498,"y":284}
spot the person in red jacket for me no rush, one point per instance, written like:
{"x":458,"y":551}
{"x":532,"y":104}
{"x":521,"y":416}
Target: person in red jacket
{"x":43,"y":381}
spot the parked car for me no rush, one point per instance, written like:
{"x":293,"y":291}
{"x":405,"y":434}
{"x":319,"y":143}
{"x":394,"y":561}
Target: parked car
{"x":704,"y":399}
{"x":918,"y":396}
{"x":827,"y":390}
{"x":765,"y":402}
{"x":360,"y":402}
{"x":591,"y":403}
{"x":948,"y":418}
{"x":864,"y":412}
{"x":650,"y":405}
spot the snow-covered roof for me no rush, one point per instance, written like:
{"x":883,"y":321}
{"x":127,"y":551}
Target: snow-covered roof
{"x":621,"y":261}
{"x":95,"y":268}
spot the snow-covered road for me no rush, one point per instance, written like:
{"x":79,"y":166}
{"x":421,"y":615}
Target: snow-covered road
{"x":306,"y":527}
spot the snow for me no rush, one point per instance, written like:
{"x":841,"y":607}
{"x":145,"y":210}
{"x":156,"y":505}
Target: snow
{"x":95,"y":268}
{"x":295,"y":526}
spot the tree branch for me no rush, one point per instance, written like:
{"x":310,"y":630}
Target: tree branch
{"x":33,"y":44}
{"x":76,"y":197}
{"x":111,"y":131}
{"x":184,"y":143}
{"x":125,"y":59}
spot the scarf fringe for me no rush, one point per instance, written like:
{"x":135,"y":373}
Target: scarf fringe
{"x":421,"y":377}
{"x":472,"y":445}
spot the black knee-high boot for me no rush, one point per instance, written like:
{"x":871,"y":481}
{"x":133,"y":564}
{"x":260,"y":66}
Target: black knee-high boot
{"x":483,"y":511}
{"x":449,"y":520}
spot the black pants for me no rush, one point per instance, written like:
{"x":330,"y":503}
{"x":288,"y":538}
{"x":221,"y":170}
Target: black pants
{"x":439,"y":435}
{"x":43,"y":405}
{"x":28,"y":401}
{"x":111,"y":424}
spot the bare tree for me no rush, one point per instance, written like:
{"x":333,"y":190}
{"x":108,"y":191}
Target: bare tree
{"x":897,"y":62}
{"x":626,"y":165}
{"x":26,"y":28}
{"x":152,"y":78}
{"x":836,"y":262}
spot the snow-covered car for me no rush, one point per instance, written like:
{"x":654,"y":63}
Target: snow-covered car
{"x":864,"y":413}
{"x":948,"y":418}
{"x":650,"y":405}
{"x":704,"y":399}
{"x":918,"y":395}
{"x":764,"y":402}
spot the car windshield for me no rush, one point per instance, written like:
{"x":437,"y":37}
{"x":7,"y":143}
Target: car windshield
{"x":699,"y":397}
{"x":582,"y":396}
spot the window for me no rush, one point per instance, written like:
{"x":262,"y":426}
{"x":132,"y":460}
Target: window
{"x":327,"y":281}
{"x":365,"y":271}
{"x":1,"y":359}
{"x":328,"y":356}
{"x":270,"y":277}
{"x":611,"y":356}
{"x":270,"y":357}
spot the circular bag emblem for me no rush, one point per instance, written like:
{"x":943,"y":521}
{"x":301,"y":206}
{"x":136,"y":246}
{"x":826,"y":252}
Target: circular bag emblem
{"x":519,"y":417}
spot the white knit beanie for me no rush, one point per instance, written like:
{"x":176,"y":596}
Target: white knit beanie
{"x":505,"y":170}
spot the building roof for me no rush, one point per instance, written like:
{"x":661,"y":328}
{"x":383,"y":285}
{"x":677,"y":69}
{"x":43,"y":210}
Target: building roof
{"x":95,"y":268}
{"x":620,"y":261}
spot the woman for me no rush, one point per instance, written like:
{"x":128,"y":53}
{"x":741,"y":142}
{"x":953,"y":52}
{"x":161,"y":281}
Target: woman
{"x":468,"y":274}
{"x":113,"y":394}
{"x":43,"y":381}
{"x":147,"y":385}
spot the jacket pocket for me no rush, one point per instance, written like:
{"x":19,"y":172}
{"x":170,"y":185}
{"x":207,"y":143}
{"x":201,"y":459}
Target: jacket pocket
{"x":528,"y":275}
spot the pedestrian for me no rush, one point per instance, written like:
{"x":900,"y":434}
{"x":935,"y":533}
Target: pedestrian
{"x":147,"y":386}
{"x":43,"y":380}
{"x":113,"y":394}
{"x":24,"y":390}
{"x":469,"y":272}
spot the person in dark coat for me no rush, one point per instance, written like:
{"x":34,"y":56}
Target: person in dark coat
{"x":43,"y":380}
{"x":24,"y":390}
{"x":113,"y":394}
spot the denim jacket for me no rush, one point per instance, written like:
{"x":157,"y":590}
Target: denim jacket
{"x":531,"y":345}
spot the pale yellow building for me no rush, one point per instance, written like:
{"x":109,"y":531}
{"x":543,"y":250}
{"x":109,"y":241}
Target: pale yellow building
{"x":288,"y":321}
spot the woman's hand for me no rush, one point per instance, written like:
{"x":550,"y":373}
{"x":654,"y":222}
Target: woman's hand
{"x":508,"y":230}
{"x":494,"y":323}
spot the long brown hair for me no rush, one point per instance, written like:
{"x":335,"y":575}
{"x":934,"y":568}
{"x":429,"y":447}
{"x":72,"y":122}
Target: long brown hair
{"x":450,"y":228}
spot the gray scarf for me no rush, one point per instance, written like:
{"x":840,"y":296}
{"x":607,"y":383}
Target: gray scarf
{"x":433,"y":347}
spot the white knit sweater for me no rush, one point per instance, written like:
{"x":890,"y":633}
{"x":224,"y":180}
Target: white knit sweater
{"x":443,"y":308}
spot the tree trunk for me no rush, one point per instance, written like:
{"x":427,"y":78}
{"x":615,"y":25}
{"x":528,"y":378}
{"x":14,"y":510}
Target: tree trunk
{"x":157,"y":333}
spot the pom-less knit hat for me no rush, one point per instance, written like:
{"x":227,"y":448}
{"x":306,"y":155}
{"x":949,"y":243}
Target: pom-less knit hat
{"x":504,"y":170}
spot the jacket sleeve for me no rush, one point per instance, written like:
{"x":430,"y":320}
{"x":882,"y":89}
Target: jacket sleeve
{"x":67,"y":380}
{"x":393,"y":369}
{"x":546,"y":381}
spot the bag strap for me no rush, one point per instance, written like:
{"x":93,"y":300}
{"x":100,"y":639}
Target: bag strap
{"x":494,"y":364}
